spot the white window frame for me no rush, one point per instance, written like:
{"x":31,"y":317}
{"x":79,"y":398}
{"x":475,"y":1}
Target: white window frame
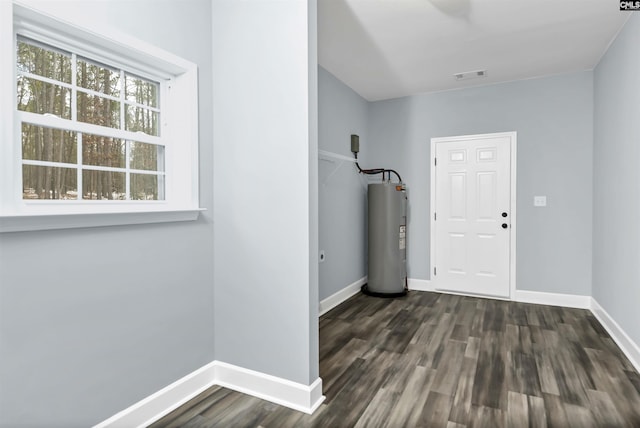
{"x":178,"y":126}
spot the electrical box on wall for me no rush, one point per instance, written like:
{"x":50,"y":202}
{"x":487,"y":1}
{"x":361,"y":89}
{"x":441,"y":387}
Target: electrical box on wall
{"x":355,"y":143}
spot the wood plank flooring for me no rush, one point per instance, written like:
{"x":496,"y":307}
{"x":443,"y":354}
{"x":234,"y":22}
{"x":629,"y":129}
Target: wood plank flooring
{"x":437,"y":360}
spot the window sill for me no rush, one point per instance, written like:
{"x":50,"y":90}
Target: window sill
{"x":24,"y":223}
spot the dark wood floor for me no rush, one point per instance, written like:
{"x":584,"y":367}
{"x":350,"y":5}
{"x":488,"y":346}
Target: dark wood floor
{"x":437,"y":360}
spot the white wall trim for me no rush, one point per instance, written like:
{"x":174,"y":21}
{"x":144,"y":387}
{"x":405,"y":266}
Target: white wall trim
{"x":553,"y":299}
{"x":23,"y":223}
{"x":336,"y":298}
{"x":159,"y":404}
{"x":304,"y":398}
{"x":297,"y":396}
{"x":524,"y":296}
{"x":619,"y":336}
{"x":420,"y":285}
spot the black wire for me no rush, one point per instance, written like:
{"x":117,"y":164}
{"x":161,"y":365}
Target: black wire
{"x":375,"y":171}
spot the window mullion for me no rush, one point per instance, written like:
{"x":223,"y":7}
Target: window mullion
{"x":127,"y":177}
{"x":44,"y":79}
{"x":48,"y":163}
{"x":52,"y":121}
{"x":74,"y":118}
{"x":104,"y":168}
{"x":144,"y":106}
{"x":127,"y":143}
{"x":122,"y":97}
{"x":79,"y":172}
{"x":98,"y":94}
{"x":74,"y":86}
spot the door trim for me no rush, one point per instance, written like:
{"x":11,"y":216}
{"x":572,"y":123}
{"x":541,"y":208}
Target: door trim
{"x":512,"y":239}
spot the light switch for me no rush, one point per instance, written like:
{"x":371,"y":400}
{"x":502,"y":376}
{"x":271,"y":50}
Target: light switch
{"x":539,"y":201}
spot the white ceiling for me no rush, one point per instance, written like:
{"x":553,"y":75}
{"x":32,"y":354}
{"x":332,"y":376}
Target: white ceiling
{"x":391,"y":48}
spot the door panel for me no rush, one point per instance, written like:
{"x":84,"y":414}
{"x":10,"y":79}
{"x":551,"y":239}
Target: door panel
{"x":486,"y":197}
{"x":458,"y":253}
{"x":458,"y":197}
{"x":472,"y":190}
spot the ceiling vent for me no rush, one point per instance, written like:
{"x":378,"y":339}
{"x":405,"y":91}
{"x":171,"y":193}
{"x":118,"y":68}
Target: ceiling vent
{"x":470,"y":75}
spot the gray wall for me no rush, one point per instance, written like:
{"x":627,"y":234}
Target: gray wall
{"x":342,"y":191}
{"x":616,"y":211}
{"x":265,"y":185}
{"x":553,"y":118}
{"x":93,"y":320}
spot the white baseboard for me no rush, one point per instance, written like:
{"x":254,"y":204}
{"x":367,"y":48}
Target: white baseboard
{"x":420,"y":285}
{"x":622,"y":339}
{"x":150,"y":409}
{"x":336,"y":298}
{"x":304,"y":398}
{"x":553,"y":299}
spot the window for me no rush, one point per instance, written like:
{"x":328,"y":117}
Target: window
{"x":78,"y":161}
{"x":103,"y":126}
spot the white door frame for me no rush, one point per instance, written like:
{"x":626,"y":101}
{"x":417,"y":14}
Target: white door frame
{"x":512,"y":240}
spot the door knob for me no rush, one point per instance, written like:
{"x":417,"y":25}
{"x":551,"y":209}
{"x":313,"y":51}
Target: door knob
{"x":505,"y":225}
{"x":504,"y":214}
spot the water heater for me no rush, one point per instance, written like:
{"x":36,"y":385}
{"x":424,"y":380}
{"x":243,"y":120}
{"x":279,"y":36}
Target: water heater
{"x":387,"y":232}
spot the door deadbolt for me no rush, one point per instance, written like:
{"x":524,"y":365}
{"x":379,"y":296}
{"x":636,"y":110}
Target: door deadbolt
{"x":504,"y":214}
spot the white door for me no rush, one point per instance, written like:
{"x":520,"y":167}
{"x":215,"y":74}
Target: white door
{"x":472,"y":214}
